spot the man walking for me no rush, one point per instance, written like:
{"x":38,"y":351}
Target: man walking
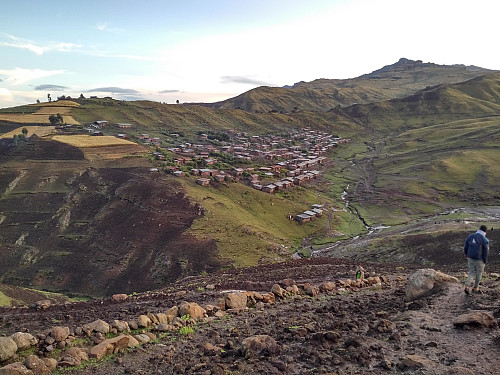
{"x":476,"y":249}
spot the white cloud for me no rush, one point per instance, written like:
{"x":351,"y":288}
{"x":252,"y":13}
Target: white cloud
{"x":104,"y":26}
{"x":19,"y":76}
{"x":38,"y":48}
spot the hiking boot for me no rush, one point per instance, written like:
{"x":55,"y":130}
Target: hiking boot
{"x":467,"y":290}
{"x":477,"y":291}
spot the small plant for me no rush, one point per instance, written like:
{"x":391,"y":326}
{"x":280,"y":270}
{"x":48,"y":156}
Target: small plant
{"x":200,"y":289}
{"x":186,"y":330}
{"x":185,"y":317}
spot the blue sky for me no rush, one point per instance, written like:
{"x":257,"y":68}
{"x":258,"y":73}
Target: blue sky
{"x":211,"y":50}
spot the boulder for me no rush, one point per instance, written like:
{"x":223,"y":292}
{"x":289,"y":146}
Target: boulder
{"x":51,"y":363}
{"x":111,"y":346}
{"x":288,"y":282}
{"x":311,"y":290}
{"x":36,"y":365}
{"x":477,"y":318}
{"x":142,"y":338}
{"x":236,"y":300}
{"x":16,"y":368}
{"x":74,"y":357}
{"x":162,"y":318}
{"x":327,"y":286}
{"x":172,"y":313}
{"x":192,"y":309}
{"x":43,"y":304}
{"x":59,"y":333}
{"x":8,"y":348}
{"x":293,"y":289}
{"x":425,"y":282}
{"x":268,"y":298}
{"x":165,"y":327}
{"x":258,"y":345}
{"x":119,"y":297}
{"x":153,"y":318}
{"x":120,"y":325}
{"x":24,"y":340}
{"x":417,"y":361}
{"x":143,"y":321}
{"x":277,"y":290}
{"x":97,"y":326}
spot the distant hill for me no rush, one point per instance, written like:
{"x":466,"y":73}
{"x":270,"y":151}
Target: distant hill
{"x":392,"y":81}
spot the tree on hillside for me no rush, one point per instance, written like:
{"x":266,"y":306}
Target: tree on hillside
{"x":24,"y":131}
{"x":56,"y":119}
{"x":81,"y":96}
{"x":49,"y":98}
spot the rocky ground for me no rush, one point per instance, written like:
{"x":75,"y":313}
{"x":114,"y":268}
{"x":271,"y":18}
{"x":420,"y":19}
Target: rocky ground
{"x":368,"y":330}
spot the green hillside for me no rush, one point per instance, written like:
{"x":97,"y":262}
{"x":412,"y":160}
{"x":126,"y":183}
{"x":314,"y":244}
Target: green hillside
{"x":430,"y":151}
{"x":393,"y":81}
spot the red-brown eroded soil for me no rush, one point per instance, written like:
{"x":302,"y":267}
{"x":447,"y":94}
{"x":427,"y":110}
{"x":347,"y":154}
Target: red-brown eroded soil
{"x":339,"y":333}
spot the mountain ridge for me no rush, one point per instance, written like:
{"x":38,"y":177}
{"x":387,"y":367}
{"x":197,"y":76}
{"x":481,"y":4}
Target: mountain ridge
{"x":405,"y":77}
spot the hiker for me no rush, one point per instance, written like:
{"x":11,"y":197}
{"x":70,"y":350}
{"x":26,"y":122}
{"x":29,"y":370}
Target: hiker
{"x":476,"y":251}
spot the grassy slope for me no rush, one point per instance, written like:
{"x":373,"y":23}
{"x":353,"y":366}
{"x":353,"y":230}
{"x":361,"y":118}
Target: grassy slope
{"x":437,"y":148}
{"x":249,"y":226}
{"x":402,"y":79}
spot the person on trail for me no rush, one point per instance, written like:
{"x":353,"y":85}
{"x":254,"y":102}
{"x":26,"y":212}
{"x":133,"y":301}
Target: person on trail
{"x":476,"y":249}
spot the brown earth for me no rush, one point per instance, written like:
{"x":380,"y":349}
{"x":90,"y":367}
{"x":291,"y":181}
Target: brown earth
{"x":88,"y":227}
{"x":365,"y":331}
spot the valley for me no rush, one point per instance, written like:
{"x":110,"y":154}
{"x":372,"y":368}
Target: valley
{"x":238,"y":174}
{"x":293,"y":218}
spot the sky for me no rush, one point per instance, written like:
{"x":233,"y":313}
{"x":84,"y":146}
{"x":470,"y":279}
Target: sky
{"x":206,"y":51}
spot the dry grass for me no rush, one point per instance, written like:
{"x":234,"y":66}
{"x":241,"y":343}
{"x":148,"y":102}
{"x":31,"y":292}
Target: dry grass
{"x":83,"y":141}
{"x":41,"y":116}
{"x":40,"y":131}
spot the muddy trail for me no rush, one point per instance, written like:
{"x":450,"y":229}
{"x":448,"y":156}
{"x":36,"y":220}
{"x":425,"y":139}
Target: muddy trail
{"x":368,"y":330}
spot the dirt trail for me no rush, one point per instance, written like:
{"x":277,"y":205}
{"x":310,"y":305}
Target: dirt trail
{"x":439,"y":340}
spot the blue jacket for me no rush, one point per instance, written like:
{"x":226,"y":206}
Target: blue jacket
{"x":477,"y":246}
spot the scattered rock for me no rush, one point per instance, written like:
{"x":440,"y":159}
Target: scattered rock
{"x":111,"y":346}
{"x":172,"y":313}
{"x":192,"y":309}
{"x":258,"y":345}
{"x":120,"y":326}
{"x":16,"y":368}
{"x":8,"y":348}
{"x":119,"y":297}
{"x":74,"y":357}
{"x":277,"y":290}
{"x":43,"y":304}
{"x":417,"y":361}
{"x":24,"y":340}
{"x":97,"y":326}
{"x":36,"y":365}
{"x":60,"y":333}
{"x":236,"y":301}
{"x":327,"y":286}
{"x":424,"y":282}
{"x":143,"y":321}
{"x":478,"y":318}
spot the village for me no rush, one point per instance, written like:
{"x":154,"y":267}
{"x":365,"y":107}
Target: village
{"x":269,"y":163}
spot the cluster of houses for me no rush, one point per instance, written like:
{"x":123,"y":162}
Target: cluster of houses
{"x":288,"y":160}
{"x":309,"y":215}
